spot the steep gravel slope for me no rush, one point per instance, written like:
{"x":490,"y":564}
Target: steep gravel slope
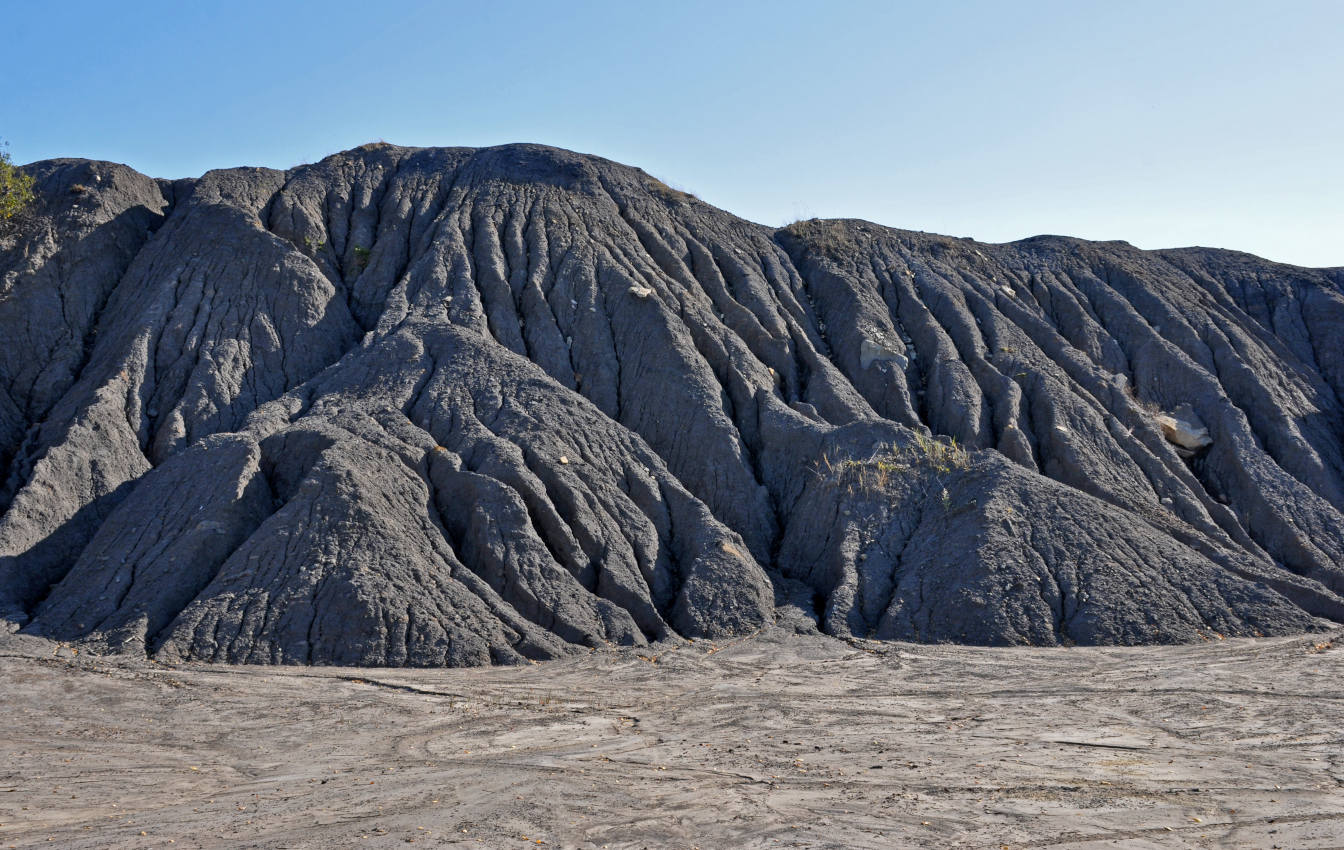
{"x":454,"y":406}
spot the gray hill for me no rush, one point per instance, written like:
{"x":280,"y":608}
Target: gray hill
{"x":456,"y":407}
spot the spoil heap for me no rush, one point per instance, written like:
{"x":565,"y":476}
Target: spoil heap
{"x":455,"y":406}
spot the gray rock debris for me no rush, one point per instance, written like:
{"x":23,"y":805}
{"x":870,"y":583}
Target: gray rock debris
{"x":418,"y":407}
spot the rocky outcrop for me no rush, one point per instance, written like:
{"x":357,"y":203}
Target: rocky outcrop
{"x":455,"y":406}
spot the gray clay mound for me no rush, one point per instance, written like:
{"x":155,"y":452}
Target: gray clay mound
{"x":454,"y":406}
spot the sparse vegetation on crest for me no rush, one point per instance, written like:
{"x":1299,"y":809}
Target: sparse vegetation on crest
{"x":827,"y":236}
{"x":668,"y":193}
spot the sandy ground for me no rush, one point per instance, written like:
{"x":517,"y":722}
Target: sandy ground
{"x":767,"y":742}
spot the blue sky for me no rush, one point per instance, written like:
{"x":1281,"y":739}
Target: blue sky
{"x":1161,"y":123}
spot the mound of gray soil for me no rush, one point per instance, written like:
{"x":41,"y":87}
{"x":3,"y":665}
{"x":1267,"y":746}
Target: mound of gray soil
{"x":457,"y":407}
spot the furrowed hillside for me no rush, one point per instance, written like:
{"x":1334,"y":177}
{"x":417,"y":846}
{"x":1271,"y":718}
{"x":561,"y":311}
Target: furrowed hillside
{"x":469,"y":406}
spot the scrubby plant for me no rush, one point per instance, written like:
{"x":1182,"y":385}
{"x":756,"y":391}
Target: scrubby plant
{"x":16,"y":189}
{"x":362,"y":255}
{"x":942,"y":456}
{"x":931,"y":459}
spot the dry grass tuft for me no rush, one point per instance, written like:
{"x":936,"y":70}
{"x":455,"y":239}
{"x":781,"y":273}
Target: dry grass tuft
{"x":668,"y":193}
{"x":876,"y":473}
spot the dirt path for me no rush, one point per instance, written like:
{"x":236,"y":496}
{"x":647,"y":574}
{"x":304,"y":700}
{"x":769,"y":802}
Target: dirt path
{"x":769,"y":742}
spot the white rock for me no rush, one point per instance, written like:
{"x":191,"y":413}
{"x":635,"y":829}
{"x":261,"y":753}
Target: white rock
{"x":1183,"y":428}
{"x":878,"y":352}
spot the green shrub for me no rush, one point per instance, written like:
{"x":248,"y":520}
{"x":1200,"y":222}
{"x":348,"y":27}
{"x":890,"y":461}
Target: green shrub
{"x":362,"y":257}
{"x":16,"y":189}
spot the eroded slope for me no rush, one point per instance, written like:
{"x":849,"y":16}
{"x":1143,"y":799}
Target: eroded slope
{"x":454,"y":406}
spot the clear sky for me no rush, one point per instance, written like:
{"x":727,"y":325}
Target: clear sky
{"x":1162,"y":123}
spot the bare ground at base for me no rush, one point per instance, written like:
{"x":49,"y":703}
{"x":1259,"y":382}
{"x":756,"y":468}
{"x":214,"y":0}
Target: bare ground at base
{"x":767,"y":742}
